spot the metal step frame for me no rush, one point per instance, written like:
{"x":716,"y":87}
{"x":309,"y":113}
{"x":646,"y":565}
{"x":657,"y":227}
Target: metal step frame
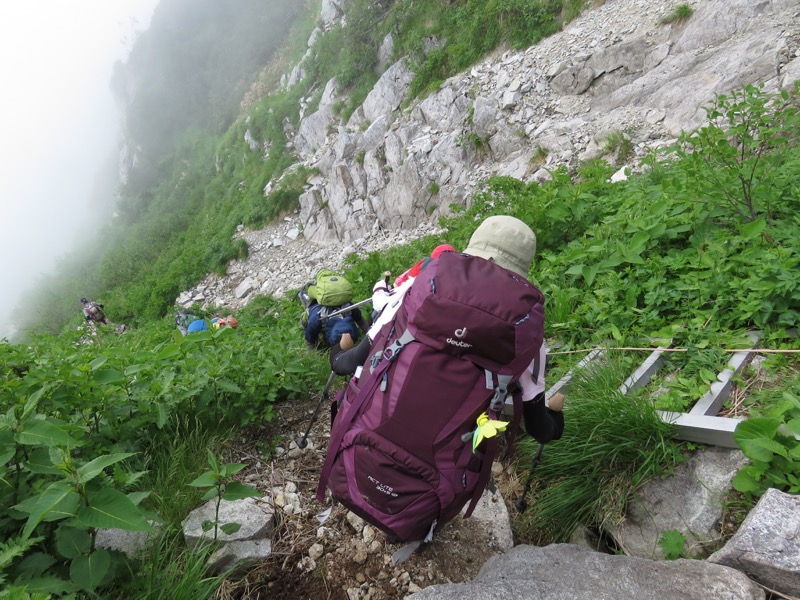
{"x":701,"y":424}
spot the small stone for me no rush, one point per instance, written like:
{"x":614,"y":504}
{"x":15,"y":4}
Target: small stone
{"x":356,"y":522}
{"x":316,"y":551}
{"x":368,"y":534}
{"x":307,"y":564}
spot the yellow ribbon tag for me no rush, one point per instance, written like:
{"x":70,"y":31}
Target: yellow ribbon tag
{"x":486,"y":428}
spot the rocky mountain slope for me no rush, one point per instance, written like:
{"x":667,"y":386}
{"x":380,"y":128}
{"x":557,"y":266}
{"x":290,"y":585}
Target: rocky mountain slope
{"x":617,"y":70}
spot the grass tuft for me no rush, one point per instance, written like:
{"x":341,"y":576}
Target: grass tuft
{"x":174,"y":459}
{"x":173,"y":572}
{"x":681,"y":13}
{"x":611,"y":445}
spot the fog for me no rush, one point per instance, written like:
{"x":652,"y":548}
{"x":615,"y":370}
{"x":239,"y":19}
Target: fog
{"x":58,"y":123}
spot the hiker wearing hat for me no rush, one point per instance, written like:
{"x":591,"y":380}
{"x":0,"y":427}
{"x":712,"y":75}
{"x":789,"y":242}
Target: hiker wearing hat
{"x":511,"y":244}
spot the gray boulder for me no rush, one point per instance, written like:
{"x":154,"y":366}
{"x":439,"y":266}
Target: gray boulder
{"x":570,"y":572}
{"x":254,"y":516}
{"x":690,"y":501}
{"x":766,"y":545}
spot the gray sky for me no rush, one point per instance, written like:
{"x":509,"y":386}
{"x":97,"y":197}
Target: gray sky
{"x":58,"y":123}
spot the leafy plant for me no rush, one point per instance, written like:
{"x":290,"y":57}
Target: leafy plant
{"x":771,"y":444}
{"x":83,"y":421}
{"x":673,"y":544}
{"x":221,"y":486}
{"x":737,"y":161}
{"x":63,"y":497}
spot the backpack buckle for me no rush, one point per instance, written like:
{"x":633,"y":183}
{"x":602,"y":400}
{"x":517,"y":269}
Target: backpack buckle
{"x":500,"y":393}
{"x":391,"y":351}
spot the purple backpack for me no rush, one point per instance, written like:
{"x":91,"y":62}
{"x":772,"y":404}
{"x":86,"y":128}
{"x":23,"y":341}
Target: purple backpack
{"x":400,"y":454}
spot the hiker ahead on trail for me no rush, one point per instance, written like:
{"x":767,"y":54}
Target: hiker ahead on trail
{"x":415,"y":430}
{"x":183,"y":319}
{"x":328,"y":322}
{"x":93,"y":312}
{"x":415,"y":270}
{"x":511,"y":244}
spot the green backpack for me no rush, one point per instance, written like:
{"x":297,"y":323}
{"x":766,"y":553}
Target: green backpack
{"x":330,"y":289}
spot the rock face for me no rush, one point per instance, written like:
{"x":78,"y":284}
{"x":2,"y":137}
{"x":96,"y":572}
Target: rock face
{"x":766,"y":545}
{"x":386,"y":175}
{"x":281,"y":260}
{"x":617,"y":68}
{"x":569,"y":572}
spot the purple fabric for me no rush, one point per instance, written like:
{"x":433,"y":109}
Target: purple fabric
{"x":396,"y":456}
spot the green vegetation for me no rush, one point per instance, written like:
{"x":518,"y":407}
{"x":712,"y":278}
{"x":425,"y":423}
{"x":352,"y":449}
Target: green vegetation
{"x":618,"y":144}
{"x":537,"y":159}
{"x":175,"y":572}
{"x":109,"y":431}
{"x":771,"y":444}
{"x":681,"y":13}
{"x":673,"y":544}
{"x":443,"y":39}
{"x":220,"y":485}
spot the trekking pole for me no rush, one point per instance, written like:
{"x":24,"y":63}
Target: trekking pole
{"x":522,"y":504}
{"x":302,"y":442}
{"x":345,"y":309}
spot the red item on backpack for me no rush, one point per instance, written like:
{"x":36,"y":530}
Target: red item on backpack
{"x":415,"y":270}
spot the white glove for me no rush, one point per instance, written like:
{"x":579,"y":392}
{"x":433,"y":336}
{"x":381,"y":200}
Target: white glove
{"x":380,"y":298}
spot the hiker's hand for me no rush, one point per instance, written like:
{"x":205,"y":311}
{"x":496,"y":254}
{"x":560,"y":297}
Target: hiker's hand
{"x":380,"y":296}
{"x":556,"y":402}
